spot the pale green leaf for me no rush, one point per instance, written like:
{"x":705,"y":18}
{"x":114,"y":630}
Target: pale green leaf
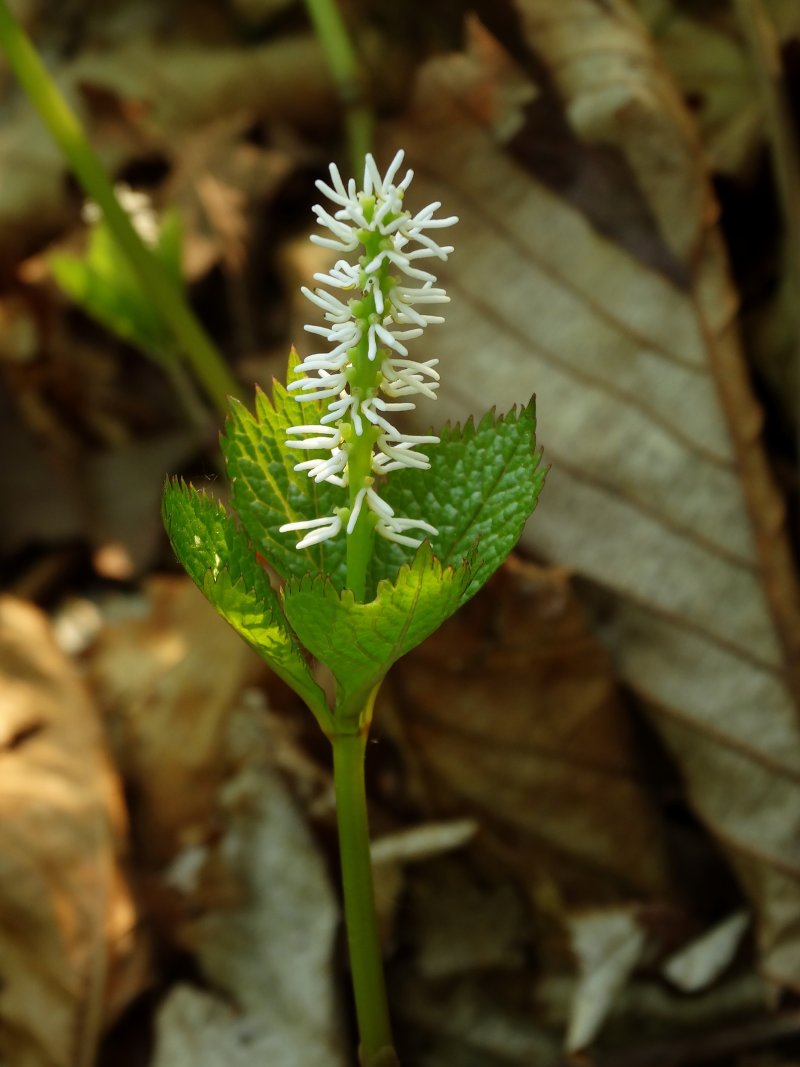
{"x":104,"y":285}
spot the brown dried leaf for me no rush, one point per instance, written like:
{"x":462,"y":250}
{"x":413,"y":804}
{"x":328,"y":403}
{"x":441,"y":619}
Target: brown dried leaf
{"x":698,"y":964}
{"x":232,"y":871}
{"x":589,"y":267}
{"x":198,"y":1029}
{"x":69,"y":957}
{"x":608,"y":946}
{"x":270,"y":949}
{"x":168,"y":678}
{"x":511,"y":712}
{"x":711,"y":67}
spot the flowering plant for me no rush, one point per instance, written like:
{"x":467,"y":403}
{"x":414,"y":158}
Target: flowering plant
{"x":397,"y":530}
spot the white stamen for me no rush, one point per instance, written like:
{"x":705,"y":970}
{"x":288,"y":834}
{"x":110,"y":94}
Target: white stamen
{"x":351,"y":525}
{"x":321,"y":529}
{"x":392,"y":529}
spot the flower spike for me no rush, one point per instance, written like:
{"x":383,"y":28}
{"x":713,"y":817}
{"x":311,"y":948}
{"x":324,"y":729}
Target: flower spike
{"x":383,"y":301}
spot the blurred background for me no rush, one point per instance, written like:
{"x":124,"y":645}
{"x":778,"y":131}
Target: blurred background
{"x":585,"y":789}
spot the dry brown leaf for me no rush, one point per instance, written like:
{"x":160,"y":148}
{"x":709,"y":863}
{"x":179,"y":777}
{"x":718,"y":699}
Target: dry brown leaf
{"x":607,"y":946}
{"x":700,"y":963}
{"x":590,"y":270}
{"x":70,"y":957}
{"x":511,"y":713}
{"x":711,"y":67}
{"x":484,"y":1020}
{"x":270,"y":949}
{"x":44,"y":510}
{"x":199,"y":1029}
{"x":233,"y":874}
{"x":168,"y":678}
{"x":219,"y":182}
{"x":462,"y":987}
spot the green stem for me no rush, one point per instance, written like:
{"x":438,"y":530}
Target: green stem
{"x":66,"y":130}
{"x":348,"y":75}
{"x":359,"y":542}
{"x":366,"y":964}
{"x":765,"y":50}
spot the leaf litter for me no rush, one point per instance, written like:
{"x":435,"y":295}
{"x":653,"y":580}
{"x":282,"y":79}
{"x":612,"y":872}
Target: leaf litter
{"x":659,"y":495}
{"x":590,"y":270}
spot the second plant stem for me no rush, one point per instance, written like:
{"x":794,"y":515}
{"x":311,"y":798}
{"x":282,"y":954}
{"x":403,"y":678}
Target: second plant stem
{"x":66,"y":130}
{"x":348,"y":74}
{"x":366,"y":963}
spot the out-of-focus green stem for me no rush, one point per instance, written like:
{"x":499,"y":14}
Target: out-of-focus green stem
{"x":765,"y":52}
{"x":366,"y":964}
{"x":348,"y":74}
{"x":63,"y":125}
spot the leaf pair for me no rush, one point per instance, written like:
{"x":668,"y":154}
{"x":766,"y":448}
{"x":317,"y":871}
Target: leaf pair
{"x":481,"y":488}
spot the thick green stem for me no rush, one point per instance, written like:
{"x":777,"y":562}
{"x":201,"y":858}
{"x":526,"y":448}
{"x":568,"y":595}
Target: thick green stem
{"x":359,"y":542}
{"x":66,"y":130}
{"x":348,"y":75}
{"x":366,"y":964}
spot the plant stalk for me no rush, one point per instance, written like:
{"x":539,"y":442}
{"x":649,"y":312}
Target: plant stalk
{"x":65,"y":128}
{"x":348,"y":75}
{"x":765,"y":51}
{"x":366,"y":964}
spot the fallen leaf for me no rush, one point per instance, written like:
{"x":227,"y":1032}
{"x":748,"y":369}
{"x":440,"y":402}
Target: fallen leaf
{"x":483,"y":1020}
{"x":44,"y":509}
{"x":607,"y":946}
{"x":123,"y":489}
{"x":589,"y":268}
{"x":701,"y":962}
{"x":458,"y":923}
{"x":713,"y":71}
{"x":510,"y":715}
{"x":230,"y":869}
{"x":271,"y":949}
{"x":168,"y":676}
{"x":71,"y":956}
{"x":199,"y":1029}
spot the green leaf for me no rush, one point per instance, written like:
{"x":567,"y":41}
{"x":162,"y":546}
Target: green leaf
{"x":218,"y":558}
{"x":105,"y":286}
{"x":359,"y":642}
{"x":481,"y":488}
{"x":267,"y":492}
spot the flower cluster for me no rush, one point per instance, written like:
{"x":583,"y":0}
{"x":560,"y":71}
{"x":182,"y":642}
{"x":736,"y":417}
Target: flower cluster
{"x":366,"y":375}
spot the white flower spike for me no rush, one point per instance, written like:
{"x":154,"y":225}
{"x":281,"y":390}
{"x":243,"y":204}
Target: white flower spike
{"x":383,"y":301}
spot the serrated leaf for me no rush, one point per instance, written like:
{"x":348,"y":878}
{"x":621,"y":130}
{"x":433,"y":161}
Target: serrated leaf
{"x":482,"y":486}
{"x":219,"y":560}
{"x":267,"y":492}
{"x":359,"y":642}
